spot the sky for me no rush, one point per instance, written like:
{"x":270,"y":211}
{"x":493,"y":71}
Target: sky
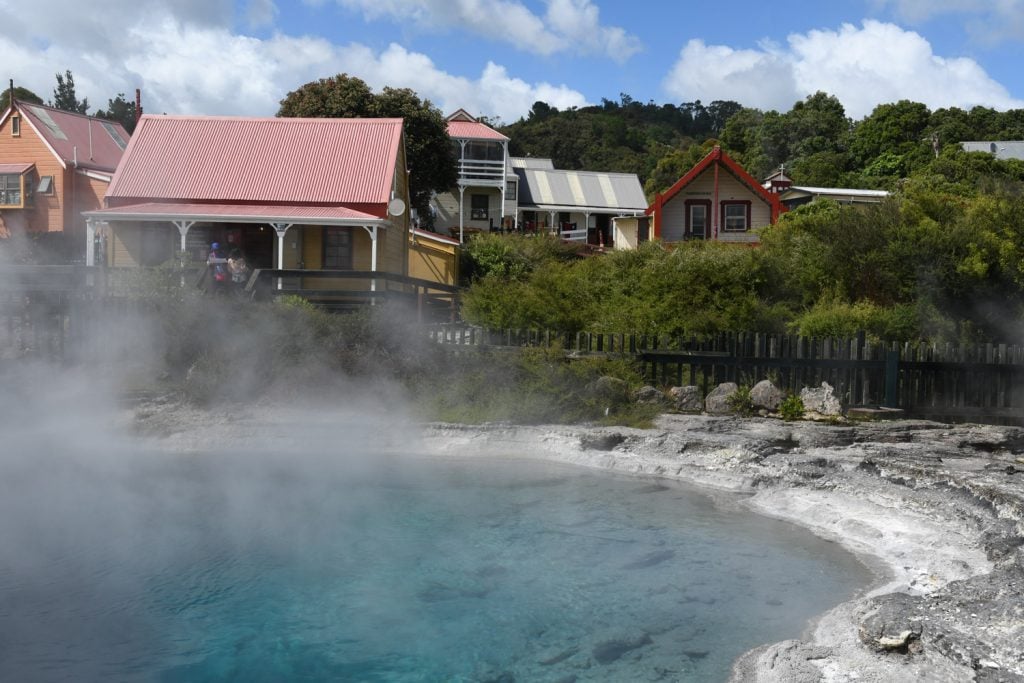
{"x":497,"y":57}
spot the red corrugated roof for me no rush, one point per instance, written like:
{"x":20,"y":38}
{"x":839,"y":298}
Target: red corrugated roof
{"x":235,"y":159}
{"x":471,"y":130}
{"x":15,"y":168}
{"x":76,"y":138}
{"x":242,"y":212}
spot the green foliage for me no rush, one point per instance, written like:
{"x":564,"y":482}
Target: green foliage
{"x":20,"y":94}
{"x":121,"y":110}
{"x":675,"y":165}
{"x":428,"y":147}
{"x":625,"y":136}
{"x":511,"y":257}
{"x":694,"y":289}
{"x":740,"y":401}
{"x":535,"y":385}
{"x":792,"y":408}
{"x":840,"y":319}
{"x":64,"y":95}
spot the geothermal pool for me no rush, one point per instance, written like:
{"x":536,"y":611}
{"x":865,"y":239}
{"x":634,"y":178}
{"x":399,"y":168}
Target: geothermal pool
{"x":242,"y":567}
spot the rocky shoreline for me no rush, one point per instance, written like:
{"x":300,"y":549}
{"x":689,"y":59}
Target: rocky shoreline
{"x":938,"y":509}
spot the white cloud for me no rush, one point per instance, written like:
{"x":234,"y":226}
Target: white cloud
{"x":579,"y":23}
{"x":567,"y":26}
{"x":862,"y":66}
{"x":986,"y":21}
{"x":261,"y":12}
{"x":755,"y":78}
{"x":494,"y":93}
{"x":191,"y":69}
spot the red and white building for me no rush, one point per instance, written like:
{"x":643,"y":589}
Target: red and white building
{"x":715,"y":200}
{"x":484,"y":197}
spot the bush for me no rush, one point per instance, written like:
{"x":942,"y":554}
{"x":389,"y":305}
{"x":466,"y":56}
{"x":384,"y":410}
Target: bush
{"x":792,"y":408}
{"x":834,"y":318}
{"x":740,"y":401}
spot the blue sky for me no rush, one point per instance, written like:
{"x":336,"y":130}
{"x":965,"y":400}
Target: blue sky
{"x":497,"y":57}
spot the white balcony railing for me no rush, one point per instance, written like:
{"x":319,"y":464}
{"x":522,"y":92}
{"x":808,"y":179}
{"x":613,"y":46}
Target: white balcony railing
{"x":481,"y":170}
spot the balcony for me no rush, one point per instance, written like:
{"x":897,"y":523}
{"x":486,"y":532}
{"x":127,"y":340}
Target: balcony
{"x":481,"y":172}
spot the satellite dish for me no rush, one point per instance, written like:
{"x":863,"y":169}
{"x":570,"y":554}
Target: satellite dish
{"x":396,"y":207}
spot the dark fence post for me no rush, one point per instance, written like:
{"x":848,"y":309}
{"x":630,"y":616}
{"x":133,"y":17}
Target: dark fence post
{"x":892,"y":378}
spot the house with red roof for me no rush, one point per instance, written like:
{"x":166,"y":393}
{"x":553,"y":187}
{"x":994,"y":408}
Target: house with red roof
{"x":714,"y":200}
{"x":289,"y":193}
{"x":54,"y":165}
{"x":497,"y":192}
{"x":484,"y":198}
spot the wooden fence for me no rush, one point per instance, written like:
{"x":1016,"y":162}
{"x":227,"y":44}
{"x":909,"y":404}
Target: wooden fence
{"x":47,"y":312}
{"x":983,"y":382}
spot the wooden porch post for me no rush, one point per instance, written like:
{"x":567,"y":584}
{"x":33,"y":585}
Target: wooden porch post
{"x":280,"y":229}
{"x":372,"y":229}
{"x":183,"y":227}
{"x":90,"y":245}
{"x":462,"y":187}
{"x":462,"y":192}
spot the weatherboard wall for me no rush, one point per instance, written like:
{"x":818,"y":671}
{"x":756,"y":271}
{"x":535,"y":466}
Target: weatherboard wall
{"x":47,"y":212}
{"x":702,"y":188}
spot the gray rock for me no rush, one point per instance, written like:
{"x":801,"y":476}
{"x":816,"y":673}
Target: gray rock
{"x":766,"y":395}
{"x":890,"y":625}
{"x":611,"y":390}
{"x":686,"y":399}
{"x":649,"y":394}
{"x":718,"y":400}
{"x":822,"y":400}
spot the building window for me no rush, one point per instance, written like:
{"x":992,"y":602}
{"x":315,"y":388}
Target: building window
{"x":45,"y":185}
{"x":479,"y":207}
{"x":698,"y":212}
{"x":735,"y":216}
{"x":11,"y":190}
{"x":511,"y":190}
{"x":698,"y":221}
{"x":337,"y":249}
{"x":15,"y":126}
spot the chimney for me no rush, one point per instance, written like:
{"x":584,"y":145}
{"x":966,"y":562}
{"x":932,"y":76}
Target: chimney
{"x":10,"y":101}
{"x":138,"y":104}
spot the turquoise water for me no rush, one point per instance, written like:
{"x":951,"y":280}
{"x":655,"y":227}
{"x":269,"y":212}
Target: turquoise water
{"x":257,"y":568}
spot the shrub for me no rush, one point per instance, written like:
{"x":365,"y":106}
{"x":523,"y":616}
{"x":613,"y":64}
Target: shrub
{"x":792,"y":408}
{"x":740,"y":402}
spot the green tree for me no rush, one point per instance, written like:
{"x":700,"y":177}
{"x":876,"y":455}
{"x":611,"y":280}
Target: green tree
{"x":430,"y":157}
{"x":20,"y":94}
{"x":898,"y":128}
{"x":674,"y":166}
{"x":817,"y":124}
{"x":121,"y":110}
{"x":64,"y":96}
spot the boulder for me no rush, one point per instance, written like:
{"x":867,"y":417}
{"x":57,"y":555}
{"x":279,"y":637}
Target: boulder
{"x":766,"y":395}
{"x":822,"y":400}
{"x":686,"y":399}
{"x":611,"y":390}
{"x":649,"y":394}
{"x":891,"y":625}
{"x":717,"y":401}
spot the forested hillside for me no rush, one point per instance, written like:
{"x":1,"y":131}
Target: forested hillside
{"x":815,"y":140}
